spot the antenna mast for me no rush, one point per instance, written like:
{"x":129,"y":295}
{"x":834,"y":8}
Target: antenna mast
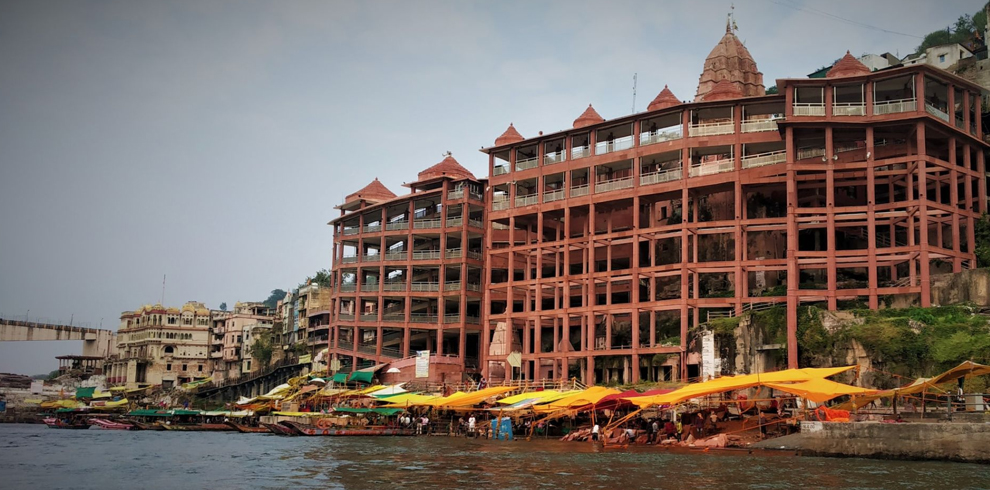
{"x":163,"y":290}
{"x":634,"y":93}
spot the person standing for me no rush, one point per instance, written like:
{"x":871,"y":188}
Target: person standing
{"x":594,"y":432}
{"x":763,"y":425}
{"x":471,"y":423}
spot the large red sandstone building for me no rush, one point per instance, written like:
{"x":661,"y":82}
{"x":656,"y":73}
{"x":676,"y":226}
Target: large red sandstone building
{"x":600,"y":247}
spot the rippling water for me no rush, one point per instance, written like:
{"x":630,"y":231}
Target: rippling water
{"x":34,"y":456}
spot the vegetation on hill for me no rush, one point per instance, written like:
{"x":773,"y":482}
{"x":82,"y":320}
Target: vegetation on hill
{"x":961,"y":31}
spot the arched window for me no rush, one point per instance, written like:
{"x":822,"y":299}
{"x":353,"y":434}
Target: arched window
{"x":169,"y":349}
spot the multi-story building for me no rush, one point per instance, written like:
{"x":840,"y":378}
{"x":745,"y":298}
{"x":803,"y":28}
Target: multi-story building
{"x":607,"y":242}
{"x":161,"y":346}
{"x":228,"y":334}
{"x":313,"y":309}
{"x":408,"y":272}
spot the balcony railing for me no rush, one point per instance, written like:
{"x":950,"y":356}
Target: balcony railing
{"x":371,"y":258}
{"x":617,"y":144}
{"x":400,"y":255}
{"x":551,"y":196}
{"x":580,"y":190}
{"x":369,"y":317}
{"x":452,"y":285}
{"x":425,"y":224}
{"x":423,"y":318}
{"x":372,"y":228}
{"x":813,"y":109}
{"x":455,"y":222}
{"x":767,"y":158}
{"x":849,"y":109}
{"x":420,"y":287}
{"x":348,"y":287}
{"x":613,"y":185}
{"x":806,"y":153}
{"x":936,"y":111}
{"x":527,"y":199}
{"x":661,"y":176}
{"x":373,"y":288}
{"x":661,"y":135}
{"x":394,"y":317}
{"x":426,"y":254}
{"x":456,"y":194}
{"x":712,"y":168}
{"x":476,"y":195}
{"x":500,"y":170}
{"x":500,"y":202}
{"x":352,"y":231}
{"x":555,"y":157}
{"x":526,"y":163}
{"x":712,"y":128}
{"x":454,"y":318}
{"x":397,"y":225}
{"x":474,"y":255}
{"x":759,"y":125}
{"x":472,"y":286}
{"x":394,"y":286}
{"x":348,"y":260}
{"x":894,"y":106}
{"x":452,"y":253}
{"x":472,"y":320}
{"x":580,"y":152}
{"x":477,"y":223}
{"x":346,"y":316}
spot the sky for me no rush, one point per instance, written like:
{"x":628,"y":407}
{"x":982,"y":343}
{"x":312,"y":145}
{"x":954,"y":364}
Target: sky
{"x":208,"y":142}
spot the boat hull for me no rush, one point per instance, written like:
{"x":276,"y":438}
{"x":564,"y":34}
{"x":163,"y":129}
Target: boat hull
{"x":58,"y":424}
{"x":280,"y":429}
{"x":147,"y":426}
{"x":110,"y":424}
{"x":312,"y":430}
{"x":199,"y":427}
{"x":247,"y":429}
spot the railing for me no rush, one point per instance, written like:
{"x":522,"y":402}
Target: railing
{"x":712,"y":168}
{"x":370,"y":258}
{"x":471,"y":286}
{"x":666,"y":134}
{"x":555,"y":157}
{"x":551,"y":196}
{"x":348,"y":260}
{"x":401,"y":255}
{"x":813,"y":109}
{"x":500,"y":170}
{"x":895,"y":106}
{"x":527,"y":199}
{"x":372,"y":288}
{"x":937,"y":112}
{"x":661,"y":176}
{"x":761,"y":159}
{"x":527,"y":163}
{"x":397,"y":225}
{"x":617,"y":144}
{"x":614,"y":184}
{"x":455,"y":222}
{"x":476,"y":195}
{"x":394,"y":317}
{"x":368,"y":348}
{"x":472,"y":320}
{"x":455,"y":318}
{"x":369,"y":317}
{"x":500,"y":202}
{"x":452,"y":285}
{"x":372,"y":228}
{"x":849,"y":109}
{"x":423,"y":318}
{"x":477,"y":223}
{"x":391,"y":352}
{"x":452,"y":253}
{"x":457,"y":194}
{"x":711,"y":129}
{"x":580,"y":190}
{"x":759,"y":125}
{"x":580,"y":152}
{"x":423,"y":224}
{"x":424,"y":286}
{"x":348,"y":287}
{"x":394,"y":286}
{"x":346,"y":316}
{"x":805,"y":153}
{"x":352,"y":231}
{"x":475,"y":255}
{"x":426,"y":254}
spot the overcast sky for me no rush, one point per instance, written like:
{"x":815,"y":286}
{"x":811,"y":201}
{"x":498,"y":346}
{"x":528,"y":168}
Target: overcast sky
{"x":209,"y":141}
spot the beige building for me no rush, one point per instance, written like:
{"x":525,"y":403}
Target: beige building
{"x":158,"y":345}
{"x":229,"y":344}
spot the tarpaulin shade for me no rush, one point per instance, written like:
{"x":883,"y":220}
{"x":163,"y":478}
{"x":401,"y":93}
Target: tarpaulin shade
{"x":340,"y":378}
{"x":589,"y":396}
{"x":819,"y":390}
{"x":85,"y":392}
{"x":360,"y":377}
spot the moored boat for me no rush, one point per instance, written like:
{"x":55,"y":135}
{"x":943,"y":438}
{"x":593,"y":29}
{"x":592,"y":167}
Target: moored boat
{"x":280,"y":429}
{"x":55,"y":423}
{"x":147,"y":425}
{"x":347,"y":431}
{"x":248,"y":429}
{"x":111,"y":424}
{"x":198,"y":427}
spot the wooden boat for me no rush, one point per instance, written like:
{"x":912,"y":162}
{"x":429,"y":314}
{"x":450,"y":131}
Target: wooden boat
{"x":280,"y":429}
{"x":312,"y":430}
{"x":55,"y":423}
{"x":110,"y":424}
{"x":146,"y":425}
{"x":199,"y":427}
{"x":248,"y":429}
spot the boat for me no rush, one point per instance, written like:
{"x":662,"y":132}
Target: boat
{"x":146,"y":425}
{"x":248,"y":429}
{"x":198,"y":427}
{"x":346,"y":431}
{"x":55,"y":423}
{"x":279,"y":429}
{"x":111,"y":424}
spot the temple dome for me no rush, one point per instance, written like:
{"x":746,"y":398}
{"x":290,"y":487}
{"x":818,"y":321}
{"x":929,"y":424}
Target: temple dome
{"x":373,"y":192}
{"x":847,"y":66}
{"x":730,"y":60}
{"x":723,"y":90}
{"x":665,"y":99}
{"x":448,"y":167}
{"x":588,"y":117}
{"x":509,"y":136}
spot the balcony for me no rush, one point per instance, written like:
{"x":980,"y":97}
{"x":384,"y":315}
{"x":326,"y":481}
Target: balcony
{"x":477,"y":223}
{"x":500,"y":170}
{"x":580,"y":190}
{"x":423,"y":318}
{"x":580,"y":152}
{"x":397,"y":225}
{"x":712,"y":128}
{"x":455,"y":222}
{"x":452,"y":253}
{"x":456,"y":194}
{"x":351,"y":231}
{"x":394,"y":286}
{"x":372,"y":228}
{"x":349,"y":287}
{"x":400,"y":255}
{"x":476,"y":195}
{"x":661,"y":176}
{"x":369,"y":317}
{"x":759,"y":125}
{"x":937,"y":112}
{"x":712,"y":168}
{"x":454,"y":318}
{"x":472,"y":320}
{"x":809,"y":109}
{"x":551,"y":196}
{"x":426,"y":224}
{"x":806,"y":153}
{"x":348,"y":260}
{"x":348,"y":317}
{"x":500,"y":202}
{"x":474,"y":255}
{"x":452,"y":286}
{"x":661,"y":135}
{"x":527,"y":200}
{"x":555,"y":157}
{"x":526,"y":163}
{"x":848,"y":109}
{"x":369,"y":288}
{"x":394,"y":317}
{"x":894,"y":106}
{"x":426,"y":254}
{"x":371,"y":258}
{"x":471,"y":286}
{"x":613,"y":185}
{"x":424,"y":287}
{"x":618,"y":144}
{"x":763,"y":159}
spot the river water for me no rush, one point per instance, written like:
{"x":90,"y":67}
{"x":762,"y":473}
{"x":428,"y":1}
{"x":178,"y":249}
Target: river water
{"x":34,"y":456}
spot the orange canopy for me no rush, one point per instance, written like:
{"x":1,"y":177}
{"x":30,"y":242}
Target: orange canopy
{"x":819,"y":390}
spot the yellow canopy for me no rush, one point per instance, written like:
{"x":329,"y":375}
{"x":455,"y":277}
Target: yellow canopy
{"x":369,"y":390}
{"x":732,"y":383}
{"x":471,"y":398}
{"x":819,"y":390}
{"x":544,"y":396}
{"x":589,"y":396}
{"x":111,"y":405}
{"x":967,"y":369}
{"x":407,"y":400}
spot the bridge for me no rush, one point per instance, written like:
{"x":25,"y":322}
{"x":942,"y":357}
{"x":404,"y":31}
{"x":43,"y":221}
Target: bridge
{"x":96,"y":342}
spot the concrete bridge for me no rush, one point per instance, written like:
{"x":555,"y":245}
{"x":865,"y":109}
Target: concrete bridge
{"x":96,"y":342}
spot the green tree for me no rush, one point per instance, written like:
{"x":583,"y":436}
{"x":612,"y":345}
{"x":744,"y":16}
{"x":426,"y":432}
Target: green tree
{"x":322,"y":278}
{"x":223,"y":306}
{"x":963,"y":30}
{"x":273,"y":299}
{"x":772,"y":90}
{"x":261,"y":349}
{"x":982,"y":231}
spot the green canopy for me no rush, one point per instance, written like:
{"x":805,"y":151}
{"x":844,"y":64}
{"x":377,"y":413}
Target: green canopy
{"x":185,"y":412}
{"x":340,"y":378}
{"x":150,"y":413}
{"x":379,"y":411}
{"x":362,"y":376}
{"x":85,"y":392}
{"x":66,"y":410}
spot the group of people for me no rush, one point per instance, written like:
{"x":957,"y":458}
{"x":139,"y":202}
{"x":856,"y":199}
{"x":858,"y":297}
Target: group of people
{"x":421,"y":423}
